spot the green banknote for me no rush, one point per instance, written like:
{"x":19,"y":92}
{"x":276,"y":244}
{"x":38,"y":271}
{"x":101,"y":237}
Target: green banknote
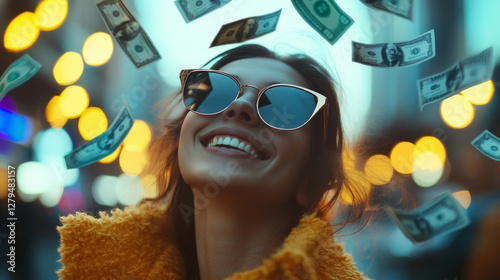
{"x":18,"y":73}
{"x":488,"y":144}
{"x":325,"y":16}
{"x":104,"y":144}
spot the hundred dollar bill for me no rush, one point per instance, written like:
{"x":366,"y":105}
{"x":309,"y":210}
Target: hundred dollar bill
{"x":488,"y":144}
{"x":403,"y":8}
{"x":193,"y":9}
{"x":325,"y":16}
{"x":18,"y":73}
{"x":104,"y":144}
{"x":466,"y":73}
{"x":246,"y":29}
{"x":442,"y":215}
{"x":400,"y":54}
{"x":128,"y":32}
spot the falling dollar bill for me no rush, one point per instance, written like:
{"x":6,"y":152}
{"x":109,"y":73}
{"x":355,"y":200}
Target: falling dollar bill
{"x":104,"y":144}
{"x":466,"y":73}
{"x":400,"y":54}
{"x":193,"y":9}
{"x":442,"y":215}
{"x":18,"y":73}
{"x":325,"y":16}
{"x":128,"y":32}
{"x":488,"y":144}
{"x":246,"y":29}
{"x":403,"y":8}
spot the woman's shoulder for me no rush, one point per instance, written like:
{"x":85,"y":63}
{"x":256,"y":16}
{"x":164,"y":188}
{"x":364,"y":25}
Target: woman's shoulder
{"x":121,"y":242}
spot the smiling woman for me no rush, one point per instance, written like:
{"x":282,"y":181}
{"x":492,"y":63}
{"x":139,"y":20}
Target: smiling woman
{"x":247,"y":151}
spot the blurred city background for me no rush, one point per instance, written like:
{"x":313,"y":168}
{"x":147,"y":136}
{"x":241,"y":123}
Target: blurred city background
{"x":86,"y":76}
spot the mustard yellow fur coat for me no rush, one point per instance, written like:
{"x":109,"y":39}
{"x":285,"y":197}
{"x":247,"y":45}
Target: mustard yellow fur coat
{"x":135,"y":243}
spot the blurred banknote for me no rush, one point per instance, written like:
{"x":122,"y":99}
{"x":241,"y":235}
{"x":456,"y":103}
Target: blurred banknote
{"x":403,"y":8}
{"x":466,"y":73}
{"x":488,"y":144}
{"x":246,"y":29}
{"x":400,"y":54}
{"x":442,"y":215}
{"x":325,"y":16}
{"x":193,"y":9}
{"x":17,"y":73}
{"x":104,"y":144}
{"x":128,"y":32}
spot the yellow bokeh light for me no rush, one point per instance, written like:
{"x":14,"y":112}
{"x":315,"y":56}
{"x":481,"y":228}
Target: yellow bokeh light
{"x":464,"y":198}
{"x":92,"y":123}
{"x":139,"y":136}
{"x":97,"y":49}
{"x":50,"y":14}
{"x":68,"y":68}
{"x":3,"y":183}
{"x":378,"y":169}
{"x":112,"y":157}
{"x":74,"y":99}
{"x":428,"y":144}
{"x":402,"y":157}
{"x":53,"y":113}
{"x":480,"y":94}
{"x":21,"y":33}
{"x":360,"y":186}
{"x":457,"y":111}
{"x":132,"y":160}
{"x":428,"y":169}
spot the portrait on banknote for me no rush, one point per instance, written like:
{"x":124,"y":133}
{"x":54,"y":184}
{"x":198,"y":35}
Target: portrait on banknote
{"x":454,"y":78}
{"x":392,"y":54}
{"x":247,"y":30}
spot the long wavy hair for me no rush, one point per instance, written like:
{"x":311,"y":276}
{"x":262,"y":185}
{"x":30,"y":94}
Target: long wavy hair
{"x":325,"y":169}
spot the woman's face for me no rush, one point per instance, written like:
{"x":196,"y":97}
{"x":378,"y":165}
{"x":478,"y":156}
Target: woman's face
{"x":274,"y":162}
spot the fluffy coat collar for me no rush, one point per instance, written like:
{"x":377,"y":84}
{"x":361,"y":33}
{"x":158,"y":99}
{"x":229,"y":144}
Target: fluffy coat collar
{"x":135,"y":243}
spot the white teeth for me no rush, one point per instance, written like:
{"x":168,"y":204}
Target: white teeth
{"x":241,"y":146}
{"x":234,"y":143}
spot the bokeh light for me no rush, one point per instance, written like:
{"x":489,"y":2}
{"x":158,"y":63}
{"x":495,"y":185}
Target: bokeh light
{"x":68,"y":68}
{"x":74,"y":99}
{"x":92,"y":123}
{"x":429,"y":144}
{"x":97,"y":49}
{"x":21,"y":33}
{"x":463,"y":197}
{"x":129,"y":189}
{"x":3,"y":183}
{"x":149,"y":189}
{"x":139,"y":136}
{"x":14,"y":127}
{"x":53,"y":113}
{"x":35,"y":177}
{"x":480,"y":94}
{"x":51,"y":197}
{"x":457,"y":111}
{"x":378,"y":169}
{"x":133,"y":160}
{"x":50,"y":14}
{"x":104,"y":190}
{"x":112,"y":157}
{"x":428,"y":169}
{"x":72,"y":200}
{"x":402,"y":157}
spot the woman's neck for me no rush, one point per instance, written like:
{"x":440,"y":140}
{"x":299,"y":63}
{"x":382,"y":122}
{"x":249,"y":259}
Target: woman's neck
{"x":231,"y":237}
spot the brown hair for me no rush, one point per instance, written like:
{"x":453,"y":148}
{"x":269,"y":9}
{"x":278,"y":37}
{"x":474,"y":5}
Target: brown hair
{"x":325,"y":166}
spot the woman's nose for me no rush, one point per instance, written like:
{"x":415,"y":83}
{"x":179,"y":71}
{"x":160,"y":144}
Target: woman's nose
{"x":243,"y":109}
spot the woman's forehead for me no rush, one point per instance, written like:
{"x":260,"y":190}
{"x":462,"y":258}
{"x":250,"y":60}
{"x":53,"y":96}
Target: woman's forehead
{"x":262,"y":70}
